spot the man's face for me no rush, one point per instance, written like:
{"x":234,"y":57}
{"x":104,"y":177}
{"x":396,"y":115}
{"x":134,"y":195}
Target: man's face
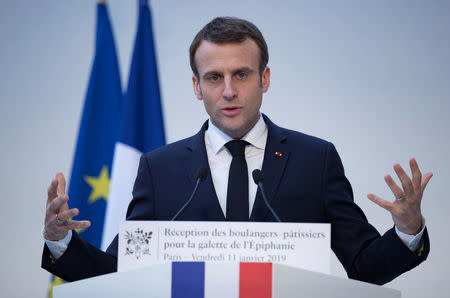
{"x":230,"y":84}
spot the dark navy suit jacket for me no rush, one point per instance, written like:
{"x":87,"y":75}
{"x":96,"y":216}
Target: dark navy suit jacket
{"x":306,"y":183}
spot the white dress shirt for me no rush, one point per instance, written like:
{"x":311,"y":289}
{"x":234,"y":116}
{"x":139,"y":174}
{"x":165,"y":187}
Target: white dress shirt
{"x":219,"y":159}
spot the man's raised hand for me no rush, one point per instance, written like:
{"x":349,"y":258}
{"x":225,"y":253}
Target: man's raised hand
{"x":405,"y":209}
{"x":58,"y":216}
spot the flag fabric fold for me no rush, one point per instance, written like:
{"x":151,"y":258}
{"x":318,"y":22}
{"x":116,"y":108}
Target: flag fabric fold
{"x":142,"y":127}
{"x":98,"y":133}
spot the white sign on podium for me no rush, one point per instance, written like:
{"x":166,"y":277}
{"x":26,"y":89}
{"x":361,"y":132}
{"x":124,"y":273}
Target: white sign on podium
{"x":145,"y":243}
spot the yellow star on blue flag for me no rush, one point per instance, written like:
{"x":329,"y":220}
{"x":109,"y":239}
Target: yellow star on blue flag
{"x":100,"y":185}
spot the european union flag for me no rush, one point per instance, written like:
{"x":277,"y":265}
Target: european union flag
{"x":89,"y":182}
{"x":142,"y":129}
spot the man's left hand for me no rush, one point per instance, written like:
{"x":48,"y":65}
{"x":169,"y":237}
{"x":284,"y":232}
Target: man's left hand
{"x":405,"y":209}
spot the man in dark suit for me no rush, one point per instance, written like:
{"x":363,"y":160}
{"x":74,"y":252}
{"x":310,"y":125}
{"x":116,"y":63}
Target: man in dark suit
{"x":304,"y":176}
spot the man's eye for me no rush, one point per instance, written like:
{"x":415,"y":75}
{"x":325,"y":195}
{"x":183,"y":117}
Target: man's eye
{"x":241,"y":75}
{"x":214,"y":78}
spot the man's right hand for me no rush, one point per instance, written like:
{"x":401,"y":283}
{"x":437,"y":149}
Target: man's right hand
{"x":58,"y":216}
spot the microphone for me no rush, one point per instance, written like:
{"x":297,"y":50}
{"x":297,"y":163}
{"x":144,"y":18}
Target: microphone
{"x":201,"y":176}
{"x":258,"y":179}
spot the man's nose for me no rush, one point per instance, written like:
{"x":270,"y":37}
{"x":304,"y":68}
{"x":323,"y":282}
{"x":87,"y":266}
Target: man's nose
{"x":229,"y":90}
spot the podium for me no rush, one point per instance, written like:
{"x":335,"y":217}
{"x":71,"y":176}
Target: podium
{"x":199,"y":279}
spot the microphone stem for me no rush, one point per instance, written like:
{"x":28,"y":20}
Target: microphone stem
{"x":187,"y":203}
{"x":267,"y":202}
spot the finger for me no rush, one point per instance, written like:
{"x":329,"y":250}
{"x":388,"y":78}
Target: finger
{"x":61,"y":184}
{"x":416,"y":175}
{"x":51,"y":191}
{"x":425,"y":180}
{"x":55,"y":205}
{"x":60,"y":229}
{"x":380,"y":202}
{"x":79,"y":224}
{"x":66,"y":216}
{"x":404,"y":179}
{"x":396,"y":190}
{"x":65,"y":206}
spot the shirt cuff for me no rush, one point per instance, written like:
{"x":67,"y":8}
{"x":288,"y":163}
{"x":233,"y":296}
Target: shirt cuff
{"x":58,"y":248}
{"x":411,"y":241}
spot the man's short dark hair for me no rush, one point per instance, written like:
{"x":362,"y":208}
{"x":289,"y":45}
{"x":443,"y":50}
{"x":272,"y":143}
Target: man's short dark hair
{"x":223,"y":30}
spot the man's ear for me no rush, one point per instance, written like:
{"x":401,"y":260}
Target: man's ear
{"x":265,"y":79}
{"x":197,"y":89}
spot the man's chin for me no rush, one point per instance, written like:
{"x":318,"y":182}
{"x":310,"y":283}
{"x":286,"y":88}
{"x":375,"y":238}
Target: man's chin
{"x":235,"y":131}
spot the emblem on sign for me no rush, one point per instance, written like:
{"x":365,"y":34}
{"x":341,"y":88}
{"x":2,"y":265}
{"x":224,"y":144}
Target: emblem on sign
{"x":138,"y":243}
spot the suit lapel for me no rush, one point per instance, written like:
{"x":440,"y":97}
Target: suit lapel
{"x":206,"y":192}
{"x":276,"y":155}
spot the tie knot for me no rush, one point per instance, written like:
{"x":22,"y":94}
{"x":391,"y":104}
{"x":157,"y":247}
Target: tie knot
{"x":236,"y":147}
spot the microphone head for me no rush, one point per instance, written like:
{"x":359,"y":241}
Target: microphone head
{"x":202,"y":173}
{"x":257,"y":176}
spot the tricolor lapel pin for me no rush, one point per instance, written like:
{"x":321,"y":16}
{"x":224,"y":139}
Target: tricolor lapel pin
{"x":278,"y":154}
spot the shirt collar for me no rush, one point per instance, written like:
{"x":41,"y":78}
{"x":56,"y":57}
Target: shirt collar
{"x":217,"y":138}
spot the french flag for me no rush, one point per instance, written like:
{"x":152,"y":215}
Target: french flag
{"x":141,"y":127}
{"x":215,"y":280}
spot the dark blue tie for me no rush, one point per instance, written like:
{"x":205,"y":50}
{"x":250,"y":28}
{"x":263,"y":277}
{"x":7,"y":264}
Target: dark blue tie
{"x":237,"y":194}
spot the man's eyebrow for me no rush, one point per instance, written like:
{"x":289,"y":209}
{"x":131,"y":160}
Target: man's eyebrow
{"x":244,"y":69}
{"x":211,"y":73}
